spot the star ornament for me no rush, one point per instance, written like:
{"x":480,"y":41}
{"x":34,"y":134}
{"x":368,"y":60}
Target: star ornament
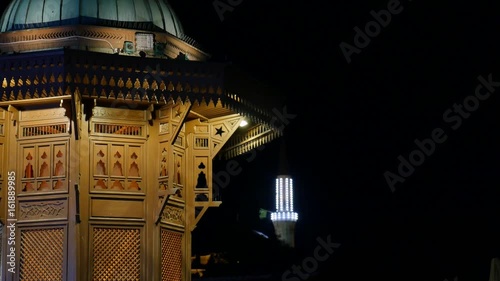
{"x":178,"y":113}
{"x":219,"y":131}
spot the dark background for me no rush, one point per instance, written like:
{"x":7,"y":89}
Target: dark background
{"x":355,"y":119}
{"x":352,"y":122}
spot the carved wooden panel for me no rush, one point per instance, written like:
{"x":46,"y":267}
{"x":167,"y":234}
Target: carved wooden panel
{"x":117,"y":113}
{"x":44,"y":167}
{"x":171,"y":255}
{"x":118,"y":122}
{"x":164,"y":113}
{"x":164,"y":128}
{"x":117,"y":167}
{"x":43,"y":123}
{"x":174,"y":215}
{"x":43,"y":210}
{"x":202,"y":129}
{"x":116,"y":254}
{"x":115,"y":208}
{"x":43,"y":114}
{"x":42,"y":254}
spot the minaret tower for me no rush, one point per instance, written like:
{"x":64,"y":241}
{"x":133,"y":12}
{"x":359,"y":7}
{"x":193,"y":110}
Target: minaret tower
{"x":285,"y":217}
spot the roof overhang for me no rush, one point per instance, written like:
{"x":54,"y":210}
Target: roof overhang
{"x":32,"y":79}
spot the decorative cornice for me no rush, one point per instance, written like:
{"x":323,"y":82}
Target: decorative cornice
{"x":111,"y":77}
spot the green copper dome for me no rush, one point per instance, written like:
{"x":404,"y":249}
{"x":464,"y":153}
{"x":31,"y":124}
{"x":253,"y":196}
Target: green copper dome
{"x":135,"y":14}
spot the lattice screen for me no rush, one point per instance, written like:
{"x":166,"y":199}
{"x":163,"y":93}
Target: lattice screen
{"x":117,"y":254}
{"x":171,"y":255}
{"x":41,"y":255}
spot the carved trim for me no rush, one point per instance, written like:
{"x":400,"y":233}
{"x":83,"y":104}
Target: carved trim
{"x":42,"y":210}
{"x":62,"y":32}
{"x":116,"y":113}
{"x":43,"y":114}
{"x":173,"y":215}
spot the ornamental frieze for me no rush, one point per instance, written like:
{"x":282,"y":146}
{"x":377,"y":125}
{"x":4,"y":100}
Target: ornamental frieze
{"x":173,"y":215}
{"x":42,"y":210}
{"x":118,"y":113}
{"x":46,"y":114}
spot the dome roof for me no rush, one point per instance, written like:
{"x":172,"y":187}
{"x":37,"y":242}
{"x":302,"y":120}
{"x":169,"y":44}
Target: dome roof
{"x":134,"y":14}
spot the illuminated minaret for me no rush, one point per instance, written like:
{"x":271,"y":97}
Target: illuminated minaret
{"x":285,"y":217}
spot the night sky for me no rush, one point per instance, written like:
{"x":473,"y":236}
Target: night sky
{"x":412,"y":84}
{"x":407,"y":85}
